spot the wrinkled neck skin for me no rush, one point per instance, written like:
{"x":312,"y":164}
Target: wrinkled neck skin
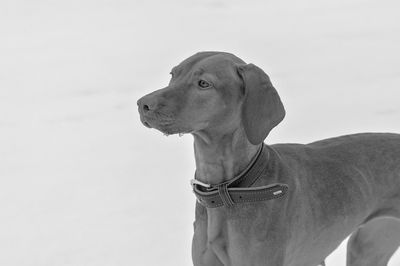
{"x":221,"y":157}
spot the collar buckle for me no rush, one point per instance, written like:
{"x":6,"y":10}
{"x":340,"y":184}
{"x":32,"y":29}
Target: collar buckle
{"x":194,"y":182}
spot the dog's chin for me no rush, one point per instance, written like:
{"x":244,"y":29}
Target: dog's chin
{"x":165,"y":127}
{"x":171,"y":130}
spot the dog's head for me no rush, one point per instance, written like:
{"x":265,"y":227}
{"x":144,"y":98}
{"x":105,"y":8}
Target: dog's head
{"x":216,"y":92}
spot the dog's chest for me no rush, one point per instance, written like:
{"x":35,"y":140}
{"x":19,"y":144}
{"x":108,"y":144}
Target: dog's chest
{"x":234,"y":236}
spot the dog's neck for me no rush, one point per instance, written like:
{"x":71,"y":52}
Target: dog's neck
{"x":220,"y":157}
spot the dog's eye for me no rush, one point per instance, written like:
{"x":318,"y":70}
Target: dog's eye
{"x":204,"y":84}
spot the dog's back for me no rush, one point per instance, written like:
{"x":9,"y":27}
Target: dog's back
{"x":341,"y":183}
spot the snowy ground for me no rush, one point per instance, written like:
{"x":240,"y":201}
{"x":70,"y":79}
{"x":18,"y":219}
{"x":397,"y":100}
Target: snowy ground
{"x":82,"y":182}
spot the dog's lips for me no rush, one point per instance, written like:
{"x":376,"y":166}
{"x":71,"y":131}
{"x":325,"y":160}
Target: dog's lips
{"x":152,"y":120}
{"x":146,"y":124}
{"x":145,"y":121}
{"x":167,"y":126}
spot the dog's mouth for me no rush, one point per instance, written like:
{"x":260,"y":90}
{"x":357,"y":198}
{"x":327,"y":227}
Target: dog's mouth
{"x":146,"y":124}
{"x":165,"y":123}
{"x":157,"y":124}
{"x":165,"y":126}
{"x":153,"y":119}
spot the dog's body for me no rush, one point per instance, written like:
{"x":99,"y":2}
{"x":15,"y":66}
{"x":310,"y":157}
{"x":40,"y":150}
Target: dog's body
{"x":336,"y":187}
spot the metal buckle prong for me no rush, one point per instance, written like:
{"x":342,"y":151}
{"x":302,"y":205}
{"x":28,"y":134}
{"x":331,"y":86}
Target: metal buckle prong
{"x":197,"y":182}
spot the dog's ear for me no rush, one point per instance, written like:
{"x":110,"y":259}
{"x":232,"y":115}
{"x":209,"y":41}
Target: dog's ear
{"x":262,"y":108}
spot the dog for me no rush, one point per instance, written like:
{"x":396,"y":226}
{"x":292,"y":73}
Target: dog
{"x":281,"y":204}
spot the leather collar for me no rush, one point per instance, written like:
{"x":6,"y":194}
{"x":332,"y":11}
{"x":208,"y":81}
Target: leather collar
{"x":238,"y":189}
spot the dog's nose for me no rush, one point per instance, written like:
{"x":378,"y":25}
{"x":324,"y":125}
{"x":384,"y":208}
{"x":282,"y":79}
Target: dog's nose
{"x":146,"y":103}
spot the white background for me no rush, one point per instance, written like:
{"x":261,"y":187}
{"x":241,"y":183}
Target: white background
{"x":82,"y":182}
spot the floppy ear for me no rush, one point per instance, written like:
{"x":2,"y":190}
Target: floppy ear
{"x":262,"y":107}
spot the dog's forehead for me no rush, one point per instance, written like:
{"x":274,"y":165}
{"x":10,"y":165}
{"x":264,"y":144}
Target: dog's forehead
{"x":208,"y":61}
{"x":216,"y":63}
